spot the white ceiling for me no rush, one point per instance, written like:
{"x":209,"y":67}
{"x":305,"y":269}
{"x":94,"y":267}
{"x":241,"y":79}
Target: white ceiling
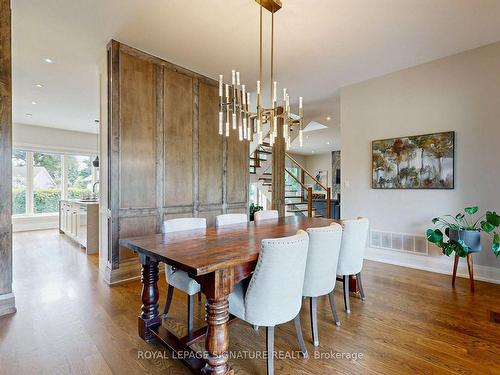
{"x":321,"y":45}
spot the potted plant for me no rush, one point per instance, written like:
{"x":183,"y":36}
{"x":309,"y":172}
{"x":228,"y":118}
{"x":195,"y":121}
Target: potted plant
{"x":463,"y":232}
{"x":253,"y":209}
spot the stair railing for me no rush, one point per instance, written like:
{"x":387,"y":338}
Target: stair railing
{"x":309,"y":193}
{"x":309,"y":189}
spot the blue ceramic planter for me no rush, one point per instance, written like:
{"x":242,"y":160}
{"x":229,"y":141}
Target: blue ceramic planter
{"x":472,"y":238}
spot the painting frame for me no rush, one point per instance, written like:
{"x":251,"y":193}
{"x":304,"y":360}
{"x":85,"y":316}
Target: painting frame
{"x":449,"y":184}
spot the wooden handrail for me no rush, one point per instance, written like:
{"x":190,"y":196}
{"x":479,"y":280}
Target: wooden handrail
{"x":296,"y":179}
{"x":306,"y":171}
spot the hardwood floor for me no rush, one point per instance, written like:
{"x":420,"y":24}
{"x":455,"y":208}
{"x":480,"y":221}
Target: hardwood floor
{"x":70,"y":322}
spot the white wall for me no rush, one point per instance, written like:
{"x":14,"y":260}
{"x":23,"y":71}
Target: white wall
{"x":42,"y":138}
{"x":320,"y":162}
{"x":460,"y":93}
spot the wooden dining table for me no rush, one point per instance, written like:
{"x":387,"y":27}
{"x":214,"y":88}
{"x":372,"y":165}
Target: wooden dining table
{"x":217,"y":258}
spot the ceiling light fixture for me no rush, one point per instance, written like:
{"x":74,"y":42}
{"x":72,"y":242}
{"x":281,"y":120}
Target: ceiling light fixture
{"x":312,"y":152}
{"x":29,"y":114}
{"x":328,"y":118}
{"x":39,"y":85}
{"x":234,"y":105}
{"x":328,"y":143}
{"x":33,"y":102}
{"x":48,"y":60}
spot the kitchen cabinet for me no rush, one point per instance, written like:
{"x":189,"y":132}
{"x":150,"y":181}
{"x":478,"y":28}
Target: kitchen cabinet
{"x":79,"y":220}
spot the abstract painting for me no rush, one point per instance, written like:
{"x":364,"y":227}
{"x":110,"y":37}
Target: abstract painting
{"x":414,"y":162}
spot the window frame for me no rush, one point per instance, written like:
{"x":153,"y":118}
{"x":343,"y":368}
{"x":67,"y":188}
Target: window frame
{"x":30,"y":209}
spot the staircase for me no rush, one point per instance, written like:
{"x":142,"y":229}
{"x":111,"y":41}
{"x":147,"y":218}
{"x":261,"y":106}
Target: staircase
{"x":298,"y":194}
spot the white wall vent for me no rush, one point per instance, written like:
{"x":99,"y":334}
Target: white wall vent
{"x":411,"y":243}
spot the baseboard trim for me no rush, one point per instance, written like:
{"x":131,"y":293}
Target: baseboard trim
{"x":438,"y":264}
{"x":129,"y":270}
{"x":7,"y":304}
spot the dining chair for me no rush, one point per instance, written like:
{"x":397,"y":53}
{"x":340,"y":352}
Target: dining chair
{"x":352,"y":251}
{"x":265,"y":215}
{"x":230,"y":219}
{"x":320,"y":277}
{"x":177,"y":278}
{"x":274,"y":294}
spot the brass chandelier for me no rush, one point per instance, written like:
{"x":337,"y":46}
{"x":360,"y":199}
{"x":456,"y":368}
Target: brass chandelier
{"x":234,"y":100}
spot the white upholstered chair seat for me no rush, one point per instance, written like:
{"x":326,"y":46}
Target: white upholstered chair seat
{"x":265,"y":215}
{"x":320,"y":277}
{"x":274,"y":294}
{"x":230,"y":219}
{"x":181,"y":280}
{"x":352,"y":251}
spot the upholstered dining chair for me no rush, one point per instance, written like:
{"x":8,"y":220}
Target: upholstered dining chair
{"x":230,"y":219}
{"x":177,"y":278}
{"x":352,"y":251}
{"x":320,"y":277}
{"x":265,"y":215}
{"x":274,"y":294}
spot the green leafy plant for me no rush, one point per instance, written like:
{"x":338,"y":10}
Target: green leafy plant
{"x":253,"y":209}
{"x":464,"y":221}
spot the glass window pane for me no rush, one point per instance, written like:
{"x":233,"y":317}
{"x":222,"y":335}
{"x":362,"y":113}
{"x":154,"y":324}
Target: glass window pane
{"x":47,"y":177}
{"x":79,"y":176}
{"x":19,"y":172}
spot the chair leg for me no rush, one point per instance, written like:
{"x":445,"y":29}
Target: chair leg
{"x":455,"y":266}
{"x":470,"y":265}
{"x":360,"y":286}
{"x":199,"y":297}
{"x":190,"y":313}
{"x":168,"y":302}
{"x":314,"y":321}
{"x":346,"y":294}
{"x":334,"y":309}
{"x":270,"y":350}
{"x":300,"y":338}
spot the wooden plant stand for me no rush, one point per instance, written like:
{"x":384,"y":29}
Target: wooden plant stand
{"x":470,"y":265}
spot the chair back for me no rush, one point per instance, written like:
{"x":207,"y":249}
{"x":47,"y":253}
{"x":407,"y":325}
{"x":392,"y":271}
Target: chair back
{"x":353,"y":246}
{"x":265,"y":215}
{"x":274,"y":294}
{"x":230,"y":219}
{"x":322,"y":260}
{"x":186,"y":223}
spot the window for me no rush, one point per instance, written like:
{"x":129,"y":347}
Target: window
{"x":19,"y":175}
{"x":41,"y":179}
{"x":47,"y":177}
{"x":80,"y":177}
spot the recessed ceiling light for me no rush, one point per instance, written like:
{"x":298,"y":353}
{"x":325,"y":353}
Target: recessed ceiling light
{"x":328,"y":118}
{"x":312,"y":152}
{"x":327,"y":143}
{"x":39,"y":85}
{"x":29,"y":114}
{"x":33,"y":102}
{"x":48,"y":60}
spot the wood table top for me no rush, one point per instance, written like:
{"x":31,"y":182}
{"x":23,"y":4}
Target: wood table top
{"x":202,"y":251}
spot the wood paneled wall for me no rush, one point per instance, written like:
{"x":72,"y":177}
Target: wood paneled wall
{"x":7,"y":300}
{"x":166,"y":158}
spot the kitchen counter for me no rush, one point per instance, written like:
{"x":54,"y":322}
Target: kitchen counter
{"x":79,"y":220}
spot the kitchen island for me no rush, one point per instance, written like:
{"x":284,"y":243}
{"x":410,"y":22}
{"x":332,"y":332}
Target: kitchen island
{"x":79,"y":220}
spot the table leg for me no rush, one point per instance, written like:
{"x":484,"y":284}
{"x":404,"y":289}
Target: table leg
{"x":150,"y":295}
{"x":217,"y":286}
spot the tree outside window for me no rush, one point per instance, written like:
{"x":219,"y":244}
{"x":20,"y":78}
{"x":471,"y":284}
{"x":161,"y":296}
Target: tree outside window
{"x":19,"y":173}
{"x":80,"y":179}
{"x":47,"y":178}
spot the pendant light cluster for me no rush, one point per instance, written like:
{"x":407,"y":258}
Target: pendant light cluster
{"x":234,"y":100}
